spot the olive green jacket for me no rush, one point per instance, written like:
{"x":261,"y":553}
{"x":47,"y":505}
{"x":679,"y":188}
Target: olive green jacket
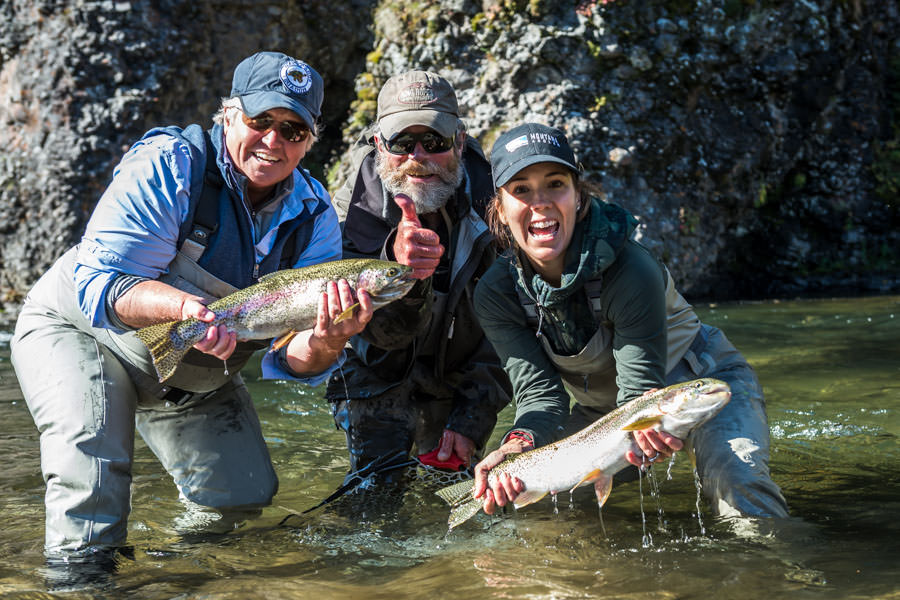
{"x":633,"y":306}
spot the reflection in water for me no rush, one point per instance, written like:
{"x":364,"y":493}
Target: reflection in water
{"x":829,"y":370}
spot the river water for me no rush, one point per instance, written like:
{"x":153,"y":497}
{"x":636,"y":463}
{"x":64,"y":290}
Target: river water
{"x":830,"y":373}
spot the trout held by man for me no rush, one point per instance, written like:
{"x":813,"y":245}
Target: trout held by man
{"x":278,"y":306}
{"x":597,"y":452}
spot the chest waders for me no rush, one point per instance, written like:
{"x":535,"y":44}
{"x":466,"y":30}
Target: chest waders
{"x":590,"y":375}
{"x":88,"y":389}
{"x":731,"y":450}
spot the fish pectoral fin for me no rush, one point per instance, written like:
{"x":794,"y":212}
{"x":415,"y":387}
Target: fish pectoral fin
{"x":644,"y":423}
{"x":528,"y":497}
{"x":602,"y":487}
{"x":348,"y":312}
{"x":589,"y":478}
{"x":283,"y":341}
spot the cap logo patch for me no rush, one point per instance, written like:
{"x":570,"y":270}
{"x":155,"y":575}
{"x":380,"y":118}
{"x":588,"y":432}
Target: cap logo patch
{"x":513,"y":145}
{"x":296,"y":77}
{"x":544,"y":138}
{"x":416,"y":93}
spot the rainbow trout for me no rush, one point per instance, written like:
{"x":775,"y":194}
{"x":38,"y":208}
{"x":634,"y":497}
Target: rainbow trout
{"x":597,"y":452}
{"x":278,"y":306}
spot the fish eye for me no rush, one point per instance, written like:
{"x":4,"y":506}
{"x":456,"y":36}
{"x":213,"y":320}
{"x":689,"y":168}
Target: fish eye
{"x":392,"y":271}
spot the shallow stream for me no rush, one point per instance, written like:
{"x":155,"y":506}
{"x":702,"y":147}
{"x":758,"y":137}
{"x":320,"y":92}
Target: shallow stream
{"x":830,"y":371}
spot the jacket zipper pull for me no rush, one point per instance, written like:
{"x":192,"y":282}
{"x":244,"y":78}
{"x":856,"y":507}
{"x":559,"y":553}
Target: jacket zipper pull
{"x":450,"y":329}
{"x":585,"y":383}
{"x":256,"y":271}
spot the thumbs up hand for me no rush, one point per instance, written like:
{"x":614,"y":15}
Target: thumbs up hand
{"x":416,"y":246}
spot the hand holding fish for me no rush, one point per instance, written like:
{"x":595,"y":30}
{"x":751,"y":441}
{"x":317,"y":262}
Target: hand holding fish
{"x":505,"y":488}
{"x":654,"y":444}
{"x":416,"y":246}
{"x":295,"y":306}
{"x":590,"y":456}
{"x":330,"y":334}
{"x":217,"y":341}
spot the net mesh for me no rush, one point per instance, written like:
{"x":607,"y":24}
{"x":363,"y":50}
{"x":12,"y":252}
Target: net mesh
{"x":434,"y":477}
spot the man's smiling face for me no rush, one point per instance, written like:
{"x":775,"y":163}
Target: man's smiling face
{"x":264,"y":157}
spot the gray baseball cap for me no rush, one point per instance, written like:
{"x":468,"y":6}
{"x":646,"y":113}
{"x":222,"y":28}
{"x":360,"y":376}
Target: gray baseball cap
{"x":417,"y":98}
{"x":270,"y":80}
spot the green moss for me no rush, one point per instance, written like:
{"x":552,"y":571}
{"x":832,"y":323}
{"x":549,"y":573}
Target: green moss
{"x":374,"y":57}
{"x":762,"y":196}
{"x":477,"y":21}
{"x":689,"y":220}
{"x":331,"y":175}
{"x":599,"y":103}
{"x":490,"y":135}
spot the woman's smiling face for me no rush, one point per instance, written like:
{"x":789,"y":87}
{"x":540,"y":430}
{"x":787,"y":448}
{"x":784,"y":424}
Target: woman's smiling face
{"x":539,"y":204}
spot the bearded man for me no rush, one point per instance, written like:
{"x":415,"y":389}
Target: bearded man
{"x":421,"y":377}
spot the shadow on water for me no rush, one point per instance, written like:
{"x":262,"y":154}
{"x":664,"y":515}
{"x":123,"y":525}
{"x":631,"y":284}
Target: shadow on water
{"x":829,"y":369}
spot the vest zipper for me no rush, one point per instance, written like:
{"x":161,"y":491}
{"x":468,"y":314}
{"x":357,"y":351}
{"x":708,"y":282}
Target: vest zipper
{"x":255,"y":271}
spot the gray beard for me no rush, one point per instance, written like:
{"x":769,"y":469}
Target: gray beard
{"x":426,"y":198}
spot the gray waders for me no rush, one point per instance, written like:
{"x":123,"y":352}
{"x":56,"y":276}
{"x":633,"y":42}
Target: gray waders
{"x":87,"y":390}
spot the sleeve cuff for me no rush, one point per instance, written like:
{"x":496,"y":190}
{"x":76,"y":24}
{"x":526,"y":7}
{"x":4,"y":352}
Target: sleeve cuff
{"x":274,"y":366}
{"x":519,"y":434}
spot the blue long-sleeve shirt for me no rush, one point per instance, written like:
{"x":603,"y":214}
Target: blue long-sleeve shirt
{"x":135,"y":226}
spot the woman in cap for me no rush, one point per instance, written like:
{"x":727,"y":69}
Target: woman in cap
{"x":575,"y":306}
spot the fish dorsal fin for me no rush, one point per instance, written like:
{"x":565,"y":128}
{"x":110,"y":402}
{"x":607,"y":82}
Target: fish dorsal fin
{"x":643,"y":423}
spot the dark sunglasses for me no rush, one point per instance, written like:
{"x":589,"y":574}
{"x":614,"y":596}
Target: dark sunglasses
{"x":432,"y":143}
{"x":291,"y":131}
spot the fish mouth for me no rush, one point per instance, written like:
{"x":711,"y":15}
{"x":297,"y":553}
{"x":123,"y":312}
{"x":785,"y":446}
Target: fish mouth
{"x":395,"y":290}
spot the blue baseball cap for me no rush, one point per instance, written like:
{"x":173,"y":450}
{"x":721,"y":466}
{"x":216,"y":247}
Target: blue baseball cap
{"x":270,"y":80}
{"x":526,"y":145}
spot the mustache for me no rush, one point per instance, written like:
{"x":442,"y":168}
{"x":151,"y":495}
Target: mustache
{"x":414,"y":168}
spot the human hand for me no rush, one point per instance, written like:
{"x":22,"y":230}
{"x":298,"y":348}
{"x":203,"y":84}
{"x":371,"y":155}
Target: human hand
{"x":654,"y":445}
{"x":337,"y":298}
{"x":505,"y":488}
{"x":414,"y":245}
{"x":217,"y":341}
{"x":455,"y":443}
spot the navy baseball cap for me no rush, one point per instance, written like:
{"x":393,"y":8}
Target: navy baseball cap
{"x":270,"y":80}
{"x":528,"y":144}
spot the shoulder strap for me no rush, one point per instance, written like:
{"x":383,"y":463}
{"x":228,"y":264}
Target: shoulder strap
{"x":205,"y":213}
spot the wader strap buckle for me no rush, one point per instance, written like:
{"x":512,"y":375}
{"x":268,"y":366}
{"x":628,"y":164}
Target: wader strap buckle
{"x":176,"y":396}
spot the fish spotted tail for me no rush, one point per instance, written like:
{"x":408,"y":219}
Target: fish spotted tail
{"x":165,"y":345}
{"x":463,"y":505}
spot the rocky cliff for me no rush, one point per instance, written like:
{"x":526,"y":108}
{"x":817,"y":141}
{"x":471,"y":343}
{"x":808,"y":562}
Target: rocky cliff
{"x":758,"y":141}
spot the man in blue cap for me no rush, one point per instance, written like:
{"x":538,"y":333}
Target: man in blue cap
{"x":190,"y":216}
